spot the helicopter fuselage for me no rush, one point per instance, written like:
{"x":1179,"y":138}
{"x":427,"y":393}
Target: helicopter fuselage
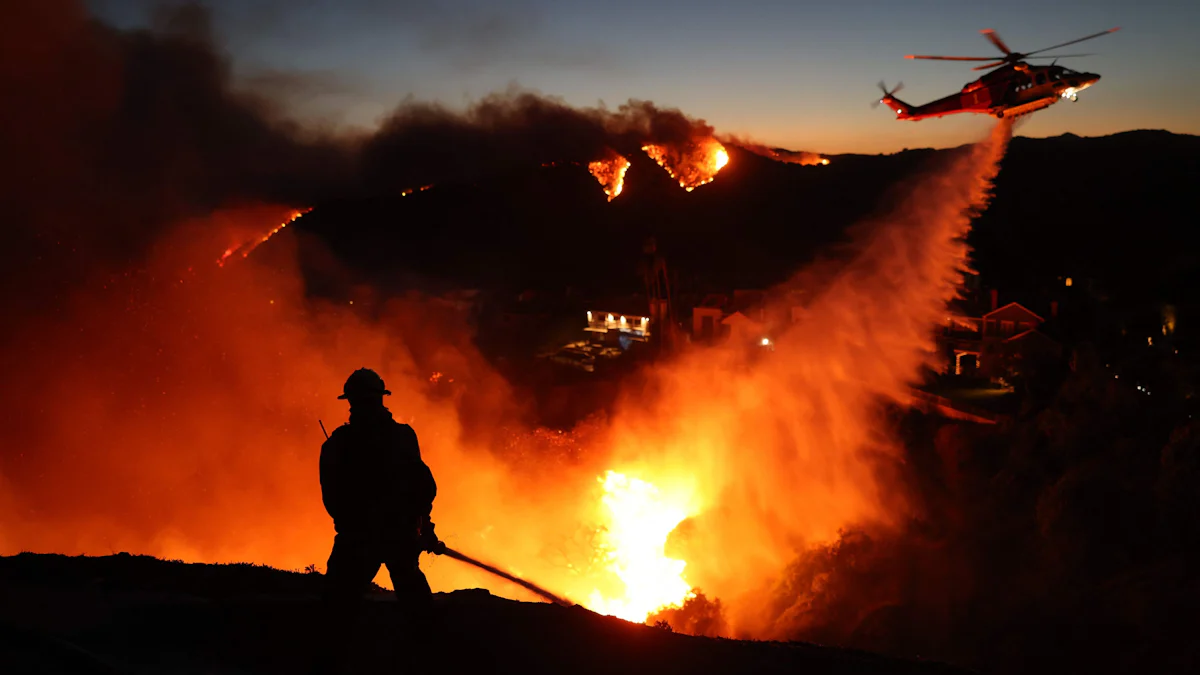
{"x":1011,"y":91}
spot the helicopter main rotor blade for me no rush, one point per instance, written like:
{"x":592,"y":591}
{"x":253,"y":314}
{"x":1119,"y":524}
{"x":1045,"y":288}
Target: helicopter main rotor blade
{"x":1094,"y":35}
{"x":994,"y":38}
{"x":951,"y":58}
{"x":1060,"y":56}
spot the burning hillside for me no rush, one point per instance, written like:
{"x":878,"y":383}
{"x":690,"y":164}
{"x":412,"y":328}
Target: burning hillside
{"x":692,"y":165}
{"x":422,"y":143}
{"x":166,"y":405}
{"x":610,"y":172}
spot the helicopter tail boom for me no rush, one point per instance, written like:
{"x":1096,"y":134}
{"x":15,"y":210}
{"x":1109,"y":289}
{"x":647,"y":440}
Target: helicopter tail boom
{"x":902,"y":109}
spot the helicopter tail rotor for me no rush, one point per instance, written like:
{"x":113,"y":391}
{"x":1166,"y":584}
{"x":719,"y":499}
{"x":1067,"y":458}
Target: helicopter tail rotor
{"x":887,"y":94}
{"x":894,"y":104}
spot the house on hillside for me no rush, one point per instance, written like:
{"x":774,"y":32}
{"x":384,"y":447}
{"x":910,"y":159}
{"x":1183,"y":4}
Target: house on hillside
{"x":1002,"y":343}
{"x":739,"y":317}
{"x":619,"y":321}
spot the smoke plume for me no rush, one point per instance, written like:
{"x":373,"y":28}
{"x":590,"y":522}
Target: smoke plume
{"x":423,"y":143}
{"x":780,"y":453}
{"x":801,"y":157}
{"x":116,"y":135}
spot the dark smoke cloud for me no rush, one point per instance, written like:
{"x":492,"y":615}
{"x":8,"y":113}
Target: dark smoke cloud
{"x":109,"y":135}
{"x":463,"y":35}
{"x":428,"y":143}
{"x":292,"y":87}
{"x":116,"y":134}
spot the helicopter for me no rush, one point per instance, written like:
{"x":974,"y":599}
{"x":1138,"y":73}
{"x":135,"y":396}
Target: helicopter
{"x":1012,"y":88}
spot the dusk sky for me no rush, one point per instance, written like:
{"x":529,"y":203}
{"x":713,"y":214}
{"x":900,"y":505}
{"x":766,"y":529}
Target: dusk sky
{"x":797,"y":74}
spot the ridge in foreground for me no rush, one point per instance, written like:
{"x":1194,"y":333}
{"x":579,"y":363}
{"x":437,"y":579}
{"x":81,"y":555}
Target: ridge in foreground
{"x":137,"y":614}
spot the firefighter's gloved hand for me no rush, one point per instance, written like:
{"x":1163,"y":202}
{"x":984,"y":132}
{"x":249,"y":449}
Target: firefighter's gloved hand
{"x":429,"y":539}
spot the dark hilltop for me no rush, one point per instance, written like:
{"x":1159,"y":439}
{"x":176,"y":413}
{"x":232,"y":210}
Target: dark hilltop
{"x":1112,"y":209}
{"x":135,"y":614}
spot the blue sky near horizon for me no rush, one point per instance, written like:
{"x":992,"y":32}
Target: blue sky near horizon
{"x":796,"y":74}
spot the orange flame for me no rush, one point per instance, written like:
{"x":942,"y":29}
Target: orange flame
{"x":694,"y":166}
{"x":611,"y":174}
{"x":639,"y":519}
{"x":409,"y":191}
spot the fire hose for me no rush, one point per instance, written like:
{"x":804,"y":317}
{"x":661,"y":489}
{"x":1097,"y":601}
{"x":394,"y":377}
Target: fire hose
{"x":442,"y":549}
{"x":505,"y":575}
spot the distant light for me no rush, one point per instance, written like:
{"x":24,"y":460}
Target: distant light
{"x":766,"y":342}
{"x":589,"y":316}
{"x":610,"y":317}
{"x":1068,"y":282}
{"x":1150,"y":340}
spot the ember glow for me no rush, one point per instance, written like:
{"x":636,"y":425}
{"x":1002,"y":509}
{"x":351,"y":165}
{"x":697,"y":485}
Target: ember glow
{"x":410,"y":191}
{"x":638,"y":520}
{"x":611,"y":174}
{"x":246,"y":248}
{"x":692,"y":166}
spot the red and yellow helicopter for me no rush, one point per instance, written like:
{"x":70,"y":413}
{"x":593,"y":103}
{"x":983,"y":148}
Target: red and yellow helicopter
{"x":1013,"y":89}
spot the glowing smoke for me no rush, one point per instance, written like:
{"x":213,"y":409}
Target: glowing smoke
{"x":801,"y":157}
{"x":784,"y":450}
{"x":192,"y":396}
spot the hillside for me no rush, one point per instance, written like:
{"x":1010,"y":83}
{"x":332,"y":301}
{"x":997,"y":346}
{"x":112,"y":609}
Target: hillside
{"x":1113,"y":208}
{"x":135,"y":614}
